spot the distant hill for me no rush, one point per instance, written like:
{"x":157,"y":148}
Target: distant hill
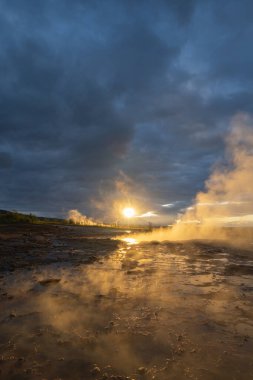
{"x":17,"y":217}
{"x":11,"y":217}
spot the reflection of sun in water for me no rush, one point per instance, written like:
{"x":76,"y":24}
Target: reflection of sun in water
{"x":128,"y":212}
{"x":130,"y":241}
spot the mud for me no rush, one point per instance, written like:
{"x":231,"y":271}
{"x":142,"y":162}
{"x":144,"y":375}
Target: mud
{"x":76,"y":304}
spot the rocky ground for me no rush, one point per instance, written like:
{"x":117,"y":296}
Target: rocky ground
{"x":78,"y":305}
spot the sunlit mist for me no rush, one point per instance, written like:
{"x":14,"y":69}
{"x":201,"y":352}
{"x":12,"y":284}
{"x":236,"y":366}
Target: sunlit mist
{"x":227,"y":200}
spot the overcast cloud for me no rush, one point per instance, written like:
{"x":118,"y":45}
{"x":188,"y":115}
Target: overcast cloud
{"x":95,"y":92}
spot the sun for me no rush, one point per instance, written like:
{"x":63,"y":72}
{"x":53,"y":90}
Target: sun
{"x":128,"y":212}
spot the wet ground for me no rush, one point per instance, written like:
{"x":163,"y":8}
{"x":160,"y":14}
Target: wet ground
{"x":76,"y":304}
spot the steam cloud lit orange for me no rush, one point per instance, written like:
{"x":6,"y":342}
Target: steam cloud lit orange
{"x":228,"y":198}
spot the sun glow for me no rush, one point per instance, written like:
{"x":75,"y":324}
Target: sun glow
{"x":128,"y":212}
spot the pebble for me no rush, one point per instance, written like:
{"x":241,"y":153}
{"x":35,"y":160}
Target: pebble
{"x":95,"y":371}
{"x":142,"y":370}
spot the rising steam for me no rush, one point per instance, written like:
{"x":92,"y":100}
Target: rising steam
{"x":228,"y":196}
{"x":77,"y":218}
{"x":229,"y":190}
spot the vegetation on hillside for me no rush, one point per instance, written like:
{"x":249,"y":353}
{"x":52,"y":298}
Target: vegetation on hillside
{"x":8,"y":217}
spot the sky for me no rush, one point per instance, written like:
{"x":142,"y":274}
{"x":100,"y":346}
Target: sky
{"x":118,"y":101}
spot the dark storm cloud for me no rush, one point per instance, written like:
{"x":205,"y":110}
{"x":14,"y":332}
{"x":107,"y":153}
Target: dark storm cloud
{"x":5,"y":160}
{"x":91,"y":89}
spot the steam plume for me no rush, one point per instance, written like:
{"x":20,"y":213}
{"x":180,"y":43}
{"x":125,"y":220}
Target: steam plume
{"x":78,"y":218}
{"x":228,"y":196}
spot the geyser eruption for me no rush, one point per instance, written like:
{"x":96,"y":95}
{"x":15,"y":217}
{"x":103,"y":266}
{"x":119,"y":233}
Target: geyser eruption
{"x":228,"y":196}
